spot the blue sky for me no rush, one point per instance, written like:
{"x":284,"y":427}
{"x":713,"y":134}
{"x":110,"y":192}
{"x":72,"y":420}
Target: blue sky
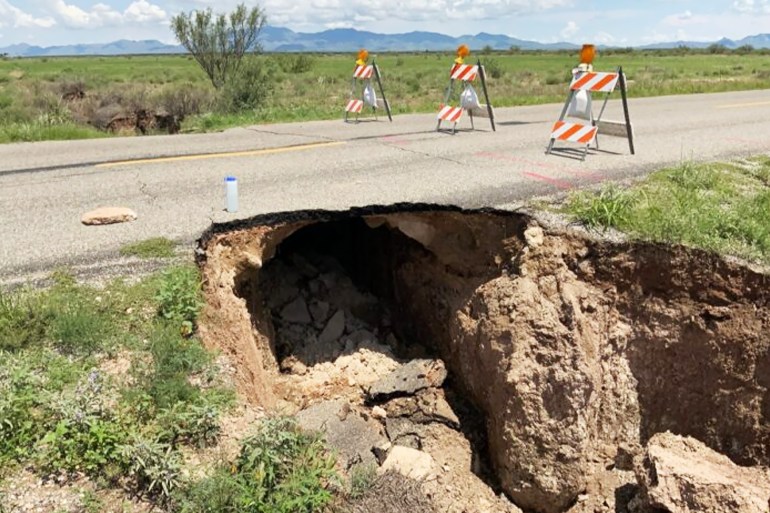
{"x":57,"y":22}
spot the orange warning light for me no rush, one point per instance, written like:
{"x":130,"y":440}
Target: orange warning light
{"x":587,"y":54}
{"x":362,"y":56}
{"x":462,"y":52}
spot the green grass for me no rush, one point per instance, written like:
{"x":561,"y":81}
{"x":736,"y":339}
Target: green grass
{"x":318,"y":87}
{"x":54,"y":396}
{"x":722,"y":207}
{"x":156,"y":247}
{"x":63,"y":413}
{"x":31,"y":132}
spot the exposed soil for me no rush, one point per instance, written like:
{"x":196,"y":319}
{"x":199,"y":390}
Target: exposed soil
{"x":565,"y":354}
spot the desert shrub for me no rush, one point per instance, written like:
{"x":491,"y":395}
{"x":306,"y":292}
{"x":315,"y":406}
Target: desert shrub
{"x":250,"y":89}
{"x":72,"y":89}
{"x":184,"y":100}
{"x":493,"y":68}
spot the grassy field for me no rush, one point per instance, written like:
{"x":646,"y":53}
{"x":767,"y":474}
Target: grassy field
{"x":306,"y":87}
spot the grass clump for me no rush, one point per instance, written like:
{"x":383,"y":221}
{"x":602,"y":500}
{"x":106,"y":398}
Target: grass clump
{"x":156,"y":247}
{"x":719,"y":207}
{"x":280,"y":469}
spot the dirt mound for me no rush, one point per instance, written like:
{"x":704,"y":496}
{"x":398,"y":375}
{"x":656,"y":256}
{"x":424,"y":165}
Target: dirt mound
{"x":563,"y":348}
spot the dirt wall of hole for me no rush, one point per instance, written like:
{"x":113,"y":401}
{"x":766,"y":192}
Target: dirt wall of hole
{"x":571,"y":347}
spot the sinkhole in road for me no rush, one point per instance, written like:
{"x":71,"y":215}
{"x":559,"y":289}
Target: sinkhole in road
{"x":522,"y":359}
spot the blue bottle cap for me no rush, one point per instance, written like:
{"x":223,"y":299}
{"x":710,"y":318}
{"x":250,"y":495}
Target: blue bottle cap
{"x":230,"y":179}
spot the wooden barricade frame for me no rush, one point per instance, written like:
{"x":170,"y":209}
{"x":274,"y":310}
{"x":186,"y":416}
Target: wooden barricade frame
{"x":465,"y":73}
{"x":355,"y":105}
{"x":586,"y":134}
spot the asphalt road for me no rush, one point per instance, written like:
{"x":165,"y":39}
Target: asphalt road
{"x":176,"y":183}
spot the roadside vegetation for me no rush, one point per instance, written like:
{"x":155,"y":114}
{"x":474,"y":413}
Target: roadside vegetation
{"x":77,"y":97}
{"x":109,"y":391}
{"x":722,"y":207}
{"x":155,"y":247}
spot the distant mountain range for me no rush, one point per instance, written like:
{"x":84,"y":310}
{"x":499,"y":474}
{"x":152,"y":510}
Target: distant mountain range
{"x":277,"y":39}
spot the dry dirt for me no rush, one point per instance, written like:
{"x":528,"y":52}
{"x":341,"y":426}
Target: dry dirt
{"x":565,"y":354}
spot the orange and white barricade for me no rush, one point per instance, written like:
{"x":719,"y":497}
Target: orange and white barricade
{"x":468,"y":101}
{"x":363,"y":73}
{"x":583,"y":128}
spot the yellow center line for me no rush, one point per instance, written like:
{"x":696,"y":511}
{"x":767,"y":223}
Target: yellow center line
{"x":203,"y":156}
{"x":741,"y":105}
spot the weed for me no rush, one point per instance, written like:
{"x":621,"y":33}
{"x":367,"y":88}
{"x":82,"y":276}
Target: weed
{"x":174,"y":359}
{"x":23,"y":412}
{"x":157,"y":247}
{"x":155,"y":468}
{"x":608,"y":209}
{"x":86,"y":436}
{"x":190,"y":424}
{"x":21,"y":321}
{"x":79,"y":328}
{"x":179,"y":297}
{"x":91,"y":502}
{"x":362,"y":477}
{"x":279,"y":470}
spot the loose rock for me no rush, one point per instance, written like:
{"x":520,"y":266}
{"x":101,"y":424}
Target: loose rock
{"x":108,"y":215}
{"x":296,"y":311}
{"x":408,"y":462}
{"x":334,"y":328}
{"x":682,"y":475}
{"x":346,"y":432}
{"x":409,"y":379}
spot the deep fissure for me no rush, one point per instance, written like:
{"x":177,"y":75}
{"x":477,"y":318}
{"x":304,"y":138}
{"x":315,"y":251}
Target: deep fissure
{"x":321,"y":266}
{"x":564,"y":353}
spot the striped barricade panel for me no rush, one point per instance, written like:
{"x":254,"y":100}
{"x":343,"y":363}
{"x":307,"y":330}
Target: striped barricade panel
{"x":464,"y":72}
{"x":449,"y":113}
{"x":355,"y":106}
{"x":573,"y":132}
{"x":363,"y":71}
{"x":595,"y":82}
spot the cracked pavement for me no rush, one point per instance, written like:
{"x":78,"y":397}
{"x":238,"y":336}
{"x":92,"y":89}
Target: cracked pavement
{"x":45,"y":187}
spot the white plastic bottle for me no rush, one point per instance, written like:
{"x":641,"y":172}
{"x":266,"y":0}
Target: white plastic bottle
{"x":231,"y":193}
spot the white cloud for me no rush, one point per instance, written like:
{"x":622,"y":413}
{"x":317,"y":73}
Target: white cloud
{"x":102,"y":15}
{"x":13,"y":16}
{"x":752,"y":6}
{"x":569,"y":30}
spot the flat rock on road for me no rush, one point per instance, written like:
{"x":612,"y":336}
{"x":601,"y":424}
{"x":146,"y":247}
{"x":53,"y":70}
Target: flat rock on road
{"x":176,"y":183}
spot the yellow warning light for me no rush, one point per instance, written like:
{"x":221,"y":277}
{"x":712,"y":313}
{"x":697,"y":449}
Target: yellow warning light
{"x":362,"y":56}
{"x":462,"y":52}
{"x":587,"y":54}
